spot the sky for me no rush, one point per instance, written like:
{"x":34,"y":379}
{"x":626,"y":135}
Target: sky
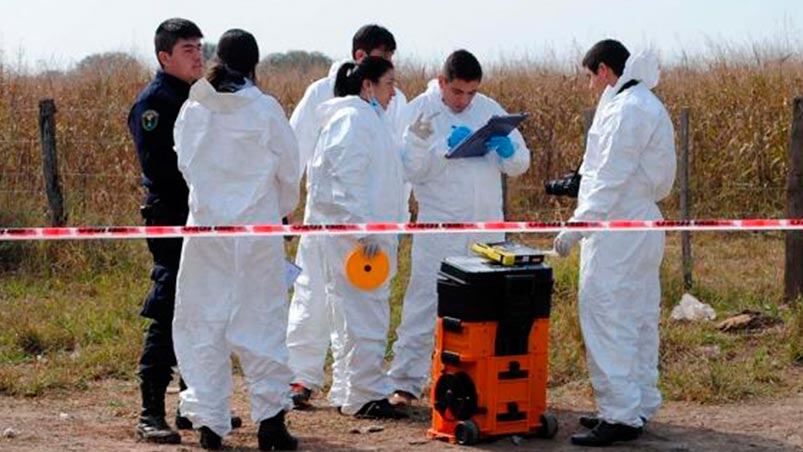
{"x":38,"y":34}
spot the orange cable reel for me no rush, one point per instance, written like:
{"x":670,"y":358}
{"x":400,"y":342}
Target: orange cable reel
{"x":367,"y":273}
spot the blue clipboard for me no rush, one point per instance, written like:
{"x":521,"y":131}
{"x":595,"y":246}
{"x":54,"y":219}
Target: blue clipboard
{"x":474,"y":144}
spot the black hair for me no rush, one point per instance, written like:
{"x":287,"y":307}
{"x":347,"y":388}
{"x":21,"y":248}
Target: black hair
{"x":236,"y":59}
{"x":462,"y":65}
{"x":372,"y":37}
{"x":171,"y":30}
{"x":351,"y":75}
{"x":609,"y":51}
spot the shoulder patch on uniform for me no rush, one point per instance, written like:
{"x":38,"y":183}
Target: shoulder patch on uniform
{"x":150,"y":119}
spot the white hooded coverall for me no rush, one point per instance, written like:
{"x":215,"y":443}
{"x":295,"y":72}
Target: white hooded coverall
{"x":239,"y":157}
{"x":308,"y":327}
{"x":355,"y":176}
{"x":447,"y":190}
{"x":629,"y":165}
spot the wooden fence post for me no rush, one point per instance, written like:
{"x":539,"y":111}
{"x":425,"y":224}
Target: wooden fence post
{"x":505,"y":206}
{"x":793,"y":273}
{"x":685,"y":197}
{"x":47,"y":134}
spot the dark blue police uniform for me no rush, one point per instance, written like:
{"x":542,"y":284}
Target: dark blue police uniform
{"x":151,"y":122}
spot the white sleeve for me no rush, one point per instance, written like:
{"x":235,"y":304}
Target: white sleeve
{"x":623,"y":137}
{"x":348,"y":156}
{"x":282,"y":142}
{"x":400,"y":114}
{"x":305,"y":123}
{"x":180,"y":129}
{"x":423,"y":160}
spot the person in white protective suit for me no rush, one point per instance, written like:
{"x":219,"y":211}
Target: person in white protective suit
{"x":308,"y":332}
{"x":355,"y":176}
{"x":629,"y":165}
{"x":447,"y":190}
{"x":239,"y":157}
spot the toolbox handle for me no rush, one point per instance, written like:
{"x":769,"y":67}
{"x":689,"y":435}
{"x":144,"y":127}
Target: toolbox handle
{"x":452,"y":358}
{"x":514,"y":372}
{"x":513,"y":414}
{"x":452,"y":325}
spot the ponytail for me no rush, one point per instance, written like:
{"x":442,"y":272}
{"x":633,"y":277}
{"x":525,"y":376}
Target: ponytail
{"x":237,"y":58}
{"x":347,"y":83}
{"x":351,"y":75}
{"x":224,"y":79}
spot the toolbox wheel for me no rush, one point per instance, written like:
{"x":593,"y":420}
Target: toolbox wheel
{"x":467,"y":433}
{"x":549,"y":426}
{"x":456,"y":394}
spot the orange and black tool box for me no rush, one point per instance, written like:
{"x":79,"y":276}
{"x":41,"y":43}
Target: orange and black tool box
{"x":490,"y":368}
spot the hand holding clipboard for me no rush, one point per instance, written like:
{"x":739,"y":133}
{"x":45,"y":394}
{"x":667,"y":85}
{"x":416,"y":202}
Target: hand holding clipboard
{"x":474,"y":144}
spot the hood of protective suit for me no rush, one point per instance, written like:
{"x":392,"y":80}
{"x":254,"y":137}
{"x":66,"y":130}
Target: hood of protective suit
{"x":326,"y":110}
{"x":643,"y":66}
{"x":433,"y":87}
{"x":204,"y":93}
{"x":435,"y":95}
{"x":335,"y":67}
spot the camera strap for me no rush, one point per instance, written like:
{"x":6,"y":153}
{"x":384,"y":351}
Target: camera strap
{"x":627,"y":86}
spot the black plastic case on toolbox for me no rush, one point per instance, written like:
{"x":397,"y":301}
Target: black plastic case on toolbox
{"x":473,"y":289}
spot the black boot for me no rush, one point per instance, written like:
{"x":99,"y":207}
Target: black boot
{"x":152,"y":427}
{"x":591,"y":422}
{"x":605,"y":434}
{"x":183,"y":423}
{"x":301,"y":396}
{"x":273,"y":434}
{"x":380,"y":409}
{"x":210,"y":440}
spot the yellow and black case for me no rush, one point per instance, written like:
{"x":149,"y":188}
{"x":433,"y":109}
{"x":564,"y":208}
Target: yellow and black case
{"x":508,"y":253}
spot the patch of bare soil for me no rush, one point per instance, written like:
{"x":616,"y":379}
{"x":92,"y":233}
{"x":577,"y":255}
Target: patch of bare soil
{"x":103,"y":418}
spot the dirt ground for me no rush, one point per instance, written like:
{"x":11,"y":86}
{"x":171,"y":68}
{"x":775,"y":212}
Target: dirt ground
{"x":103,"y":418}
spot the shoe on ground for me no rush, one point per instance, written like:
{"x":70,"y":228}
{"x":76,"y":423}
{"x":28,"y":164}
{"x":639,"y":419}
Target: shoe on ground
{"x":591,"y":422}
{"x":606,"y":434}
{"x":402,"y":399}
{"x":154,"y":429}
{"x":273,"y":434}
{"x":183,"y":423}
{"x":301,"y":396}
{"x":209,"y":439}
{"x":380,"y":409}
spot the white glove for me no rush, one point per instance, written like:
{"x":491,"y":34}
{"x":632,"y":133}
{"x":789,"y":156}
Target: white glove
{"x":422,"y":127}
{"x":565,"y":241}
{"x":370,"y":247}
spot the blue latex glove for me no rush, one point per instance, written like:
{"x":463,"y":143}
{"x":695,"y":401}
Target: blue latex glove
{"x":502,"y":145}
{"x":459,"y":133}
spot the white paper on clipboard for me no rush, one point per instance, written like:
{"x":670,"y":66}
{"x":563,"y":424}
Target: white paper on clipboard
{"x":291,"y":272}
{"x":474,"y":144}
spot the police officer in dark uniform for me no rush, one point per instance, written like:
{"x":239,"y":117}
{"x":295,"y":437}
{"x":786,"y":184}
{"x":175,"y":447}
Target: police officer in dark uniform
{"x":151,"y":120}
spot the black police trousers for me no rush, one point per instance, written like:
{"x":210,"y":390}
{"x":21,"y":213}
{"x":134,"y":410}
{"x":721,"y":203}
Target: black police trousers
{"x":158,"y":357}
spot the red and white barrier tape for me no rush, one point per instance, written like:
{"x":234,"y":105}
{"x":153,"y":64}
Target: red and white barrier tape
{"x":268,"y":230}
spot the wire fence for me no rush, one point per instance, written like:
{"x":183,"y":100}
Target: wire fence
{"x":99,"y":172}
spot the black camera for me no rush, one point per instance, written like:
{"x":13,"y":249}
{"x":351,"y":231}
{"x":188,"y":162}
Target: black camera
{"x":568,"y":185}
